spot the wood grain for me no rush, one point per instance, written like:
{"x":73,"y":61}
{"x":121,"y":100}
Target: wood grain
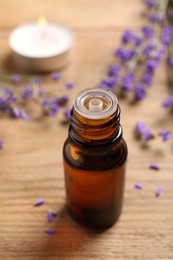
{"x":31,"y":161}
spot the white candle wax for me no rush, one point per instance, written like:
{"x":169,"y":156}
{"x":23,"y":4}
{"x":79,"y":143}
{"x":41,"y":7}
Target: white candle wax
{"x":41,"y":47}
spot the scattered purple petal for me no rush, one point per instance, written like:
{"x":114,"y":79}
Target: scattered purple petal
{"x":1,"y":144}
{"x":148,"y":32}
{"x":55,"y":76}
{"x":154,"y":166}
{"x":39,"y":202}
{"x":165,"y":135}
{"x":69,"y":85}
{"x":159,"y":191}
{"x":50,"y":216}
{"x":50,"y":231}
{"x":138,"y":186}
{"x":143,"y":131}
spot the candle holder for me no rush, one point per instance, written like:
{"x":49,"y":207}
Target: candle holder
{"x":41,"y":46}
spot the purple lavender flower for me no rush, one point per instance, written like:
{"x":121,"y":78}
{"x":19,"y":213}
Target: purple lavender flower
{"x":150,"y":3}
{"x":160,"y":53}
{"x":147,"y":79}
{"x":147,"y":31}
{"x":114,"y":70}
{"x":165,"y":135}
{"x":15,"y":112}
{"x":159,"y":191}
{"x":10,"y":96}
{"x":15,"y":78}
{"x":39,"y":202}
{"x":124,"y":54}
{"x":160,"y":20}
{"x":167,"y":102}
{"x":143,"y":131}
{"x":54,"y":108}
{"x":55,"y":76}
{"x":2,"y":101}
{"x":25,"y":116}
{"x":149,"y":48}
{"x":50,"y":231}
{"x":67,"y":113}
{"x":170,"y":62}
{"x":154,"y":166}
{"x":128,"y":82}
{"x":108,"y":83}
{"x":69,"y":85}
{"x":42,"y":91}
{"x":138,"y":186}
{"x":152,"y":17}
{"x":151,"y":66}
{"x":127,"y":36}
{"x":65,"y":99}
{"x":137,"y":40}
{"x":140,"y":92}
{"x":46,"y":103}
{"x":1,"y":144}
{"x":166,"y":35}
{"x":27,"y":92}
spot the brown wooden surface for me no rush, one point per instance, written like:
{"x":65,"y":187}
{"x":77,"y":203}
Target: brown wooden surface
{"x":31,"y":161}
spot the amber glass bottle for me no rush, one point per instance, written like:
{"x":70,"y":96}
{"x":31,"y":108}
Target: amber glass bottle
{"x":94,"y":160}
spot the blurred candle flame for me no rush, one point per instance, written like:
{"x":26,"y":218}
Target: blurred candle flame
{"x":42,"y":21}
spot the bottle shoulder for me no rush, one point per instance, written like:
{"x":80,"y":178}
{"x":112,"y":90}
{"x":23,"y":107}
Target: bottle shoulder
{"x":94,"y":158}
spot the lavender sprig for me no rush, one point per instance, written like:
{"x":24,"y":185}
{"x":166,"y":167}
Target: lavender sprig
{"x":15,"y":99}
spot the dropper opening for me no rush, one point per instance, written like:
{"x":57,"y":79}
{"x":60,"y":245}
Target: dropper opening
{"x":95,"y":105}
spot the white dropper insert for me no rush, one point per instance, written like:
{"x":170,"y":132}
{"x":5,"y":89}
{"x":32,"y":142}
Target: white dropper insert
{"x":95,"y":105}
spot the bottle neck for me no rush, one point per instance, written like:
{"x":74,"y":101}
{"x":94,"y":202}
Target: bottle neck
{"x":88,"y":132}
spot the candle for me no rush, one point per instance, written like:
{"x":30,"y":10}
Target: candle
{"x":41,"y":46}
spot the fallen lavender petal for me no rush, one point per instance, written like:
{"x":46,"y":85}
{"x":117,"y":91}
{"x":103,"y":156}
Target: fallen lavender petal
{"x":50,"y":231}
{"x":138,"y":186}
{"x":39,"y":202}
{"x":159,"y":191}
{"x":154,"y":166}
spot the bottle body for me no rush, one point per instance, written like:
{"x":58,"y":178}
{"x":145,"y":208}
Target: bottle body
{"x":94,"y":165}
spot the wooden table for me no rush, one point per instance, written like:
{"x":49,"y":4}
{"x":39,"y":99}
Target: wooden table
{"x":31,"y":160}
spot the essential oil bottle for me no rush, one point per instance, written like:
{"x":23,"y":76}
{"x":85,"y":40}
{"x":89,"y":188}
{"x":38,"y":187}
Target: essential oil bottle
{"x":94,"y":160}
